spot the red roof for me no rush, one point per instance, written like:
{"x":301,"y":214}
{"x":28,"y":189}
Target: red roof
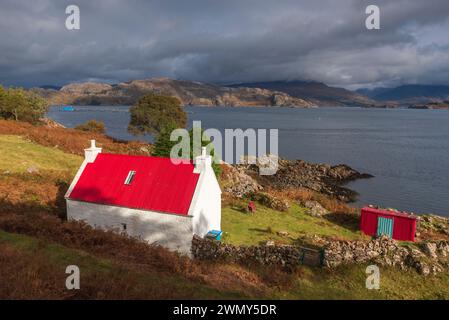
{"x":158,"y":185}
{"x":390,"y":212}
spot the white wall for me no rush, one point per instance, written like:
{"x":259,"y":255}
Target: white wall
{"x":171,"y":231}
{"x":206,"y":204}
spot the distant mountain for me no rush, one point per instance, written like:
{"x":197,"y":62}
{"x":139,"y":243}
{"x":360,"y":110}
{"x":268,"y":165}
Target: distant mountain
{"x":409,"y":94}
{"x":188,"y":92}
{"x":317,"y":92}
{"x":372,"y":93}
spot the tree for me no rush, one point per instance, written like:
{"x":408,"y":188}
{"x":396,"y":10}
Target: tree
{"x":163,"y":146}
{"x":155,"y":114}
{"x":20,"y":105}
{"x":92,"y":126}
{"x":160,"y":115}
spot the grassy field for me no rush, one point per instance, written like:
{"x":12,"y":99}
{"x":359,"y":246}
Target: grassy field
{"x":241,"y":227}
{"x":18,"y":154}
{"x":348,"y":283}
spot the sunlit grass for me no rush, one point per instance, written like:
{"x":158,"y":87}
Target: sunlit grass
{"x":19,"y":155}
{"x":243,"y":228}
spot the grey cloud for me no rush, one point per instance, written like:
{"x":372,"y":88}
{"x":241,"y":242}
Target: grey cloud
{"x":224,"y":41}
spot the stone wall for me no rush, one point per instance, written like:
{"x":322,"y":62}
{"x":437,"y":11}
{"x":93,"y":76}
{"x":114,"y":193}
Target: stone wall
{"x":428,"y":257}
{"x":285,"y":256}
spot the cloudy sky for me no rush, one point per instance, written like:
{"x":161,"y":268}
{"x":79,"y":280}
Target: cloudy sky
{"x":225,"y":41}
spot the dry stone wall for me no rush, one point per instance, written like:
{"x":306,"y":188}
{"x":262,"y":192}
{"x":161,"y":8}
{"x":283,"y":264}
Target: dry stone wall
{"x":285,"y":256}
{"x":427,"y":258}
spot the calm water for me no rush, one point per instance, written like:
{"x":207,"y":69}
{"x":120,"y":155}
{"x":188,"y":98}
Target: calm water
{"x":406,"y":150}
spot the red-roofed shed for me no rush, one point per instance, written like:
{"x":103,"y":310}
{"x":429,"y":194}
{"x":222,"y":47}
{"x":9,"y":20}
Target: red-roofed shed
{"x":396,"y":225}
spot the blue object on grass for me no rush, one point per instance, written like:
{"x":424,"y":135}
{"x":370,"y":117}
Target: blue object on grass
{"x":214,"y":234}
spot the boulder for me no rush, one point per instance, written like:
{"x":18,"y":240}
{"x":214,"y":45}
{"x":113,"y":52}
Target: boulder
{"x":270,"y":243}
{"x":32,"y":169}
{"x":237,"y":183}
{"x":283,"y":233}
{"x":315,"y":208}
{"x":430,"y":249}
{"x":272,"y":201}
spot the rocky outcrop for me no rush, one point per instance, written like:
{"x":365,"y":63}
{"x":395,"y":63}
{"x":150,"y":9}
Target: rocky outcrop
{"x":315,"y":208}
{"x":431,"y":259}
{"x":318,"y":93}
{"x":237,"y":183}
{"x":433,"y":226}
{"x":271,"y":201}
{"x":188,"y":92}
{"x":280,"y":99}
{"x":321,"y":178}
{"x":86,"y":88}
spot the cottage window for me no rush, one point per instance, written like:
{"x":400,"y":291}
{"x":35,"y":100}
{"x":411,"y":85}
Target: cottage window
{"x":130,"y":177}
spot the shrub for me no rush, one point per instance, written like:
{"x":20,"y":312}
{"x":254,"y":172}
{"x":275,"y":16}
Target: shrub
{"x":92,"y":126}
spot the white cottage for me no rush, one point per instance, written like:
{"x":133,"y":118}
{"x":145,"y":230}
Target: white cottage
{"x":147,"y":197}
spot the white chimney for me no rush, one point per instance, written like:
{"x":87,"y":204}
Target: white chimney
{"x":91,"y":153}
{"x":202,"y":162}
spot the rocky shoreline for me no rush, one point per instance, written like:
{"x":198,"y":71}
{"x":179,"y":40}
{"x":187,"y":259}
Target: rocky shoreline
{"x":321,"y":178}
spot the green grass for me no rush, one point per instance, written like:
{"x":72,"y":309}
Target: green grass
{"x":241,"y":228}
{"x":17,"y":155}
{"x":348,"y":282}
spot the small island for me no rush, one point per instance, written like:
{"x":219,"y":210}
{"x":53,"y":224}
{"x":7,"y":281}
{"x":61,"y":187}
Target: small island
{"x":443,"y":105}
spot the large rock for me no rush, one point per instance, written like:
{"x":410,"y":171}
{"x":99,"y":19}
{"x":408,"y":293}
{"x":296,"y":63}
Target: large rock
{"x":237,"y":183}
{"x":86,"y":88}
{"x":273,"y":202}
{"x":315,"y":208}
{"x":430,"y":249}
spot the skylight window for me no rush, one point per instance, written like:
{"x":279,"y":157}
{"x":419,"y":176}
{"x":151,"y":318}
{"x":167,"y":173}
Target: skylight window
{"x":130,"y":177}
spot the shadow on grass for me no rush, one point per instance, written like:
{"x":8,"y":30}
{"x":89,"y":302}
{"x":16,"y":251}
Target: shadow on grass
{"x":263,"y":231}
{"x":346,"y":220}
{"x":7,"y":206}
{"x":24,"y":205}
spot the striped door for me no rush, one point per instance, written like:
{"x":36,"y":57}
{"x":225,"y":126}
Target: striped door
{"x":385,"y":227}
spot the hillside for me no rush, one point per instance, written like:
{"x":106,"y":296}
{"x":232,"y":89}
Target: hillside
{"x":409,"y":94}
{"x":188,"y":92}
{"x":317,"y":92}
{"x":36,"y":243}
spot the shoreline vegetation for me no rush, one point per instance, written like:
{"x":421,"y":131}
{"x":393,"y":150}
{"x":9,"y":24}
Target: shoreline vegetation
{"x":38,"y":162}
